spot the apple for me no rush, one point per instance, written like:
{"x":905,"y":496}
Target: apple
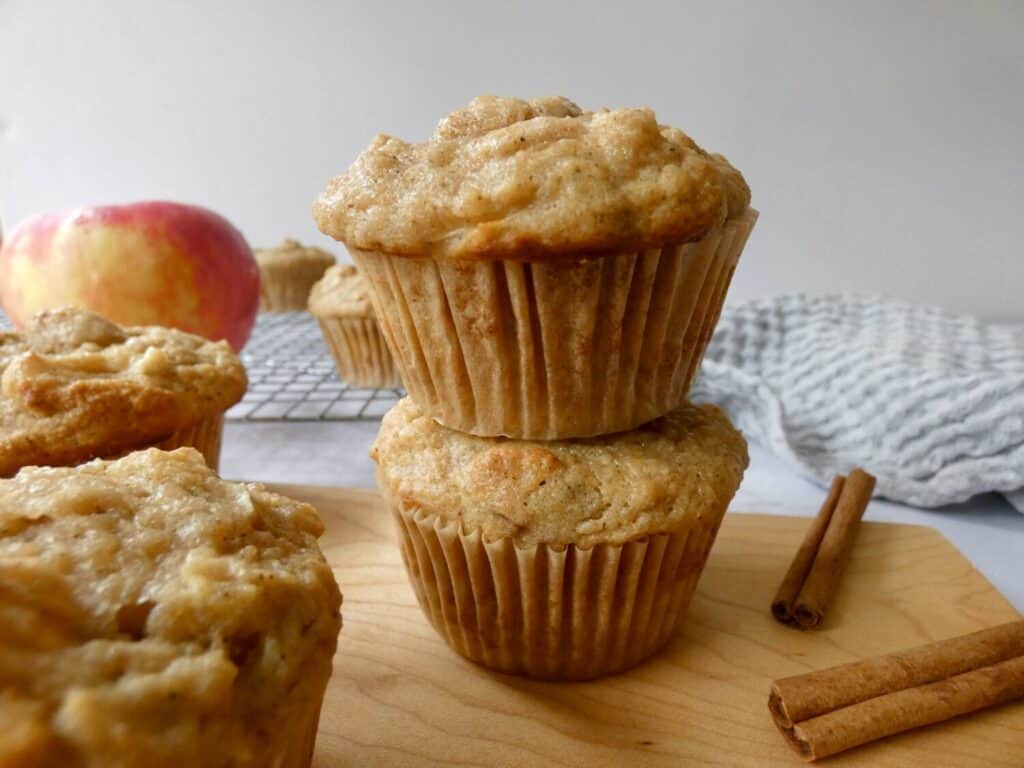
{"x":148,"y":263}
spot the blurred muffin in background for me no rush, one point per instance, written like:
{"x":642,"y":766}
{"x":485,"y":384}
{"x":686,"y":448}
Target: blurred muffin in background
{"x":340,"y":302}
{"x":288,"y":272}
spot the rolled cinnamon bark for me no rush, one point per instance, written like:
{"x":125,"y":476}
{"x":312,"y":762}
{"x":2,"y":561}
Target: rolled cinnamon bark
{"x":789,"y":590}
{"x":825,"y":712}
{"x":824,"y":553}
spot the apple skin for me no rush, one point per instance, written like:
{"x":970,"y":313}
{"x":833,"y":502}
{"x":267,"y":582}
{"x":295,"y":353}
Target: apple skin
{"x":148,"y":263}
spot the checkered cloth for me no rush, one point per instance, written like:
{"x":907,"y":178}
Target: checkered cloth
{"x":930,"y":402}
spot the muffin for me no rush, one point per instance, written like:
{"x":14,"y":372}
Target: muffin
{"x":340,"y":302}
{"x":287,"y":273}
{"x":540,"y":271}
{"x":156,"y":615}
{"x":561,"y":560}
{"x":75,"y":387}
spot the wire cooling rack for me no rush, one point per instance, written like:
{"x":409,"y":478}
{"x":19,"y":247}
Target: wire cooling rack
{"x":292,"y":376}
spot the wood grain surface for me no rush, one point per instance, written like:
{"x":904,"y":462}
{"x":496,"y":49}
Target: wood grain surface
{"x":400,"y":697}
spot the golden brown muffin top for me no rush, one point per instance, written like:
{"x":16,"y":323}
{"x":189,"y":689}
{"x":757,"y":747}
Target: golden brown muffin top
{"x":154,"y":614}
{"x":292,"y":252}
{"x":508,"y":178}
{"x":608,"y":489}
{"x":343,"y":292}
{"x":74,"y":386}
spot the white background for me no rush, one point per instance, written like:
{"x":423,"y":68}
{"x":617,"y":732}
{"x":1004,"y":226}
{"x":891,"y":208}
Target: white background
{"x":884,"y":142}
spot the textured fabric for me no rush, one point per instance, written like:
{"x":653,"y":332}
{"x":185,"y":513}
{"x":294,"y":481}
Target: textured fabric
{"x":930,"y":402}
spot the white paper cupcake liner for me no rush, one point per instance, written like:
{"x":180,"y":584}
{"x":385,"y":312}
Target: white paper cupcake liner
{"x":205,"y":436}
{"x":360,"y":352}
{"x":303,"y":743}
{"x":552,"y":613}
{"x":559,"y":349}
{"x":286,"y":288}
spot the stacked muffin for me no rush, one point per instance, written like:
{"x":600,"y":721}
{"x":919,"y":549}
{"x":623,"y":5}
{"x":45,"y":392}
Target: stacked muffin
{"x":547,"y":280}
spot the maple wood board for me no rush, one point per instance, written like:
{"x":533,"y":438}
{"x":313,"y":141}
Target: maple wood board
{"x":400,"y":697}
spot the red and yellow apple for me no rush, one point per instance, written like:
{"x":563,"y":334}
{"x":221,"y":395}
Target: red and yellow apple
{"x":150,"y":263}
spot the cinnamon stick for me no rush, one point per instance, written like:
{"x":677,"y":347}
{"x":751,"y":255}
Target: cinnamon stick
{"x":806,"y":591}
{"x":825,"y":712}
{"x":789,"y":590}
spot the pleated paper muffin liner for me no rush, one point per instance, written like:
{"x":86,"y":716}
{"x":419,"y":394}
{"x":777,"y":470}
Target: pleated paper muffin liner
{"x":360,"y":351}
{"x":205,"y":436}
{"x":552,"y":613}
{"x":286,"y":288}
{"x":303,"y":743}
{"x":559,"y":349}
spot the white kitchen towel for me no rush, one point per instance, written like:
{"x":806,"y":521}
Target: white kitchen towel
{"x":930,"y":402}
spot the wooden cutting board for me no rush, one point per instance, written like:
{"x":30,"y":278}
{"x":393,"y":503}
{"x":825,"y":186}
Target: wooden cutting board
{"x":400,"y":697}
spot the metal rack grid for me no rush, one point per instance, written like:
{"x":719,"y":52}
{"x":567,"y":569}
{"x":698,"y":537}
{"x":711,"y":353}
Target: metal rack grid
{"x":292,"y":376}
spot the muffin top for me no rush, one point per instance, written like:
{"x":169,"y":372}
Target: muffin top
{"x":154,"y":613}
{"x":293,"y":253}
{"x":74,"y":385}
{"x":608,"y":489}
{"x":342,"y":291}
{"x":508,"y":178}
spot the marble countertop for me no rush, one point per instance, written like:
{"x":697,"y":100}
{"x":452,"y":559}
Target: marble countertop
{"x":987,"y":529}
